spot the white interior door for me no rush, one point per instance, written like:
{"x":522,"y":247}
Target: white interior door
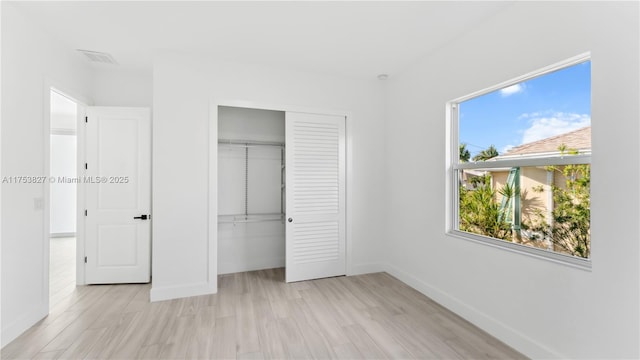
{"x":118,"y":195}
{"x":315,"y":196}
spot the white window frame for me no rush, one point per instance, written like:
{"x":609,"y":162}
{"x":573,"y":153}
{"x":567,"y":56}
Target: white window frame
{"x":454,"y":164}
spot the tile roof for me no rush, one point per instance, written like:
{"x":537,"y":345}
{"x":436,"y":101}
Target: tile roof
{"x":578,"y":139}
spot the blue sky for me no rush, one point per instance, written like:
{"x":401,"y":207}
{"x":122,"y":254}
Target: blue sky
{"x":545,"y":106}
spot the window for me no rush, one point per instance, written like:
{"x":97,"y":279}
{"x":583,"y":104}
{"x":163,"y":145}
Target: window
{"x":520,"y":161}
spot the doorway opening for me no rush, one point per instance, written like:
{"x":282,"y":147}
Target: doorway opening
{"x":63,"y":190}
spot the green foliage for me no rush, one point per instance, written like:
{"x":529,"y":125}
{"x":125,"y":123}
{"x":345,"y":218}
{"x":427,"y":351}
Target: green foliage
{"x":570,"y":227}
{"x":476,"y":181}
{"x":465,"y":155}
{"x":480,"y":212}
{"x":486,"y":154}
{"x":567,"y":227}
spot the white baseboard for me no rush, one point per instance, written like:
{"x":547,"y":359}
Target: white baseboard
{"x":234,"y":267}
{"x":181,"y":291}
{"x":360,"y":269}
{"x":62,"y":235}
{"x":22,"y":324}
{"x":499,"y":330}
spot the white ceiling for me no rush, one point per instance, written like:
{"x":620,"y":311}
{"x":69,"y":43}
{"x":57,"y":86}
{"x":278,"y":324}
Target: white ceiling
{"x":358,"y":39}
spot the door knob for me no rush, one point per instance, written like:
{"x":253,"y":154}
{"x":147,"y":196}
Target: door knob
{"x":290,"y":220}
{"x":142,"y":217}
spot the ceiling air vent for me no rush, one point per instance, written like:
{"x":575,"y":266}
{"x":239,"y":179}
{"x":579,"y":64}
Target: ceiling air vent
{"x":99,"y":57}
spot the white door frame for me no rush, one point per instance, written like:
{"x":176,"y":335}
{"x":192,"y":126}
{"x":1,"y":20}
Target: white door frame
{"x":212,"y":271}
{"x":82,"y":103}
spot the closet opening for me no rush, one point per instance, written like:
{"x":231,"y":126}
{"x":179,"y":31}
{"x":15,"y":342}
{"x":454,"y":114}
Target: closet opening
{"x":281,"y":192}
{"x":251,"y":189}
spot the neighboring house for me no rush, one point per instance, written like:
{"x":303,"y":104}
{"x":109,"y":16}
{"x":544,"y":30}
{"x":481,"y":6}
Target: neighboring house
{"x":471,"y":178}
{"x":536,"y":181}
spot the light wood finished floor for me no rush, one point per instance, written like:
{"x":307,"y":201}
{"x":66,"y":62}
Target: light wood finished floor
{"x":256,"y":315}
{"x":62,"y":269}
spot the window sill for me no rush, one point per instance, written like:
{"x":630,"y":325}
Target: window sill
{"x":567,"y":260}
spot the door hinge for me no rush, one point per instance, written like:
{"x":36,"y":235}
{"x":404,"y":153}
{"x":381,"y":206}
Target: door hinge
{"x":85,"y":259}
{"x":86,"y":119}
{"x":86,"y":167}
{"x":85,"y":212}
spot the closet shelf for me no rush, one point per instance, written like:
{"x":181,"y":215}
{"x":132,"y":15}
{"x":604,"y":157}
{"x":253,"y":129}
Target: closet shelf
{"x":248,"y":143}
{"x":249,"y":218}
{"x":246,"y":216}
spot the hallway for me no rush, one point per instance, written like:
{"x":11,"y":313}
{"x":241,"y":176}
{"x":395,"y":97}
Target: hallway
{"x":62,"y":273}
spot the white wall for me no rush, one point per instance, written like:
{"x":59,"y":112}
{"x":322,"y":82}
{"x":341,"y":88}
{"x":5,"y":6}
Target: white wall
{"x":541,"y":308}
{"x":30,"y":59}
{"x":184,"y":86}
{"x":118,"y":86}
{"x":63,"y":163}
{"x":63,"y":195}
{"x":63,"y":114}
{"x":235,"y":123}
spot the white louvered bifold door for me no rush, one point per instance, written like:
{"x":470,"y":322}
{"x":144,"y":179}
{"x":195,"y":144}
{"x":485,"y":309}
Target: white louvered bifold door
{"x":315,"y":196}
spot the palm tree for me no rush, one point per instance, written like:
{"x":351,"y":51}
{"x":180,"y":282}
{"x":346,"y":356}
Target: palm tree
{"x":486,"y":154}
{"x":465,"y":155}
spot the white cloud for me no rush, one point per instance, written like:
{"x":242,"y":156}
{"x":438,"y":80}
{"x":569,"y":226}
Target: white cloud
{"x":513,"y":89}
{"x":531,"y":115}
{"x":554,"y":124}
{"x":506,"y":148}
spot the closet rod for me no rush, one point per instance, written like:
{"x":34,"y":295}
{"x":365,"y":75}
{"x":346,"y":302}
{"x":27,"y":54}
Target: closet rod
{"x":242,"y":221}
{"x":241,"y":218}
{"x":255,"y":215}
{"x":248,"y":142}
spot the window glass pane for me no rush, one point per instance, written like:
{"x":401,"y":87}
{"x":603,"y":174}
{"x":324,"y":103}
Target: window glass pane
{"x":546,"y":207}
{"x":535,"y":116}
